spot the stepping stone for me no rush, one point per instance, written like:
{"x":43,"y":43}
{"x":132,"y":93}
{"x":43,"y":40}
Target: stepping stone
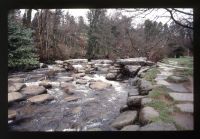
{"x":99,"y":85}
{"x":158,"y":126}
{"x":81,"y":82}
{"x":124,"y":119}
{"x":182,"y":96}
{"x":40,"y":98}
{"x":66,"y":79}
{"x":17,"y":79}
{"x":71,"y":98}
{"x":147,"y":114}
{"x":15,"y":87}
{"x":187,"y":107}
{"x":176,"y":79}
{"x":14,"y":96}
{"x":130,"y":128}
{"x":33,"y":90}
{"x":12,"y":114}
{"x":184,"y":120}
{"x":177,"y":88}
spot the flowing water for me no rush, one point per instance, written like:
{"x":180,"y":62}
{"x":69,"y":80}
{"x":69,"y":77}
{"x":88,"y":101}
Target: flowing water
{"x":94,"y":109}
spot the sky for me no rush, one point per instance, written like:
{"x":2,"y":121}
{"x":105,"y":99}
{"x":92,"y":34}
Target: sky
{"x":139,"y":20}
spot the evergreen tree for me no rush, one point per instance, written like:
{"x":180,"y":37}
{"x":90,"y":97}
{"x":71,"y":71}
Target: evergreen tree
{"x":20,"y":47}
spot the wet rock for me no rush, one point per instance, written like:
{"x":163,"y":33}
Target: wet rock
{"x":12,"y":114}
{"x":102,"y":70}
{"x":16,"y":79}
{"x":132,"y":70}
{"x":124,"y":119}
{"x":132,"y":61}
{"x":78,"y":75}
{"x":95,"y":129}
{"x":124,"y":108}
{"x":133,"y":92}
{"x":47,"y":85}
{"x":134,"y":101}
{"x":81,"y":71}
{"x":43,"y":65}
{"x":102,"y":61}
{"x":145,"y":87}
{"x":33,"y":90}
{"x":130,"y":128}
{"x":71,"y":98}
{"x":176,"y":79}
{"x":41,"y":98}
{"x":182,"y":96}
{"x":111,"y":76}
{"x":135,"y":81}
{"x":143,"y":70}
{"x":149,"y":63}
{"x":59,"y":62}
{"x":99,"y":85}
{"x":66,"y":79}
{"x":81,"y":81}
{"x":15,"y":96}
{"x":67,"y":85}
{"x":158,"y":126}
{"x":147,"y":114}
{"x":14,"y":87}
{"x":186,"y":107}
{"x":146,"y":101}
{"x":76,"y":61}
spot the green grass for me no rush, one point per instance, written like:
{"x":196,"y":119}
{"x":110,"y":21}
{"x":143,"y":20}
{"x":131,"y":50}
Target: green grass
{"x":163,"y":109}
{"x":160,"y":105}
{"x":151,"y":74}
{"x":158,"y":91}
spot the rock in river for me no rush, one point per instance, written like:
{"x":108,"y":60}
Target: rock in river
{"x":124,"y":119}
{"x":33,"y":90}
{"x":81,"y":81}
{"x":99,"y":85}
{"x":40,"y":98}
{"x":14,"y":87}
{"x":71,"y":98}
{"x":14,"y":96}
{"x":47,"y":85}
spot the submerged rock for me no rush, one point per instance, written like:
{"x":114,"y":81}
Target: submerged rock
{"x":124,"y":119}
{"x":16,"y":79}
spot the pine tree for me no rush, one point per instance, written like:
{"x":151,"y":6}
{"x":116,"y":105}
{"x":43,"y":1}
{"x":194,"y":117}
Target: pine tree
{"x":20,"y":47}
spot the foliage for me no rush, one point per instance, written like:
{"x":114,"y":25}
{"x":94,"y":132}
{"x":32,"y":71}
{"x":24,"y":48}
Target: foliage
{"x":21,"y":54}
